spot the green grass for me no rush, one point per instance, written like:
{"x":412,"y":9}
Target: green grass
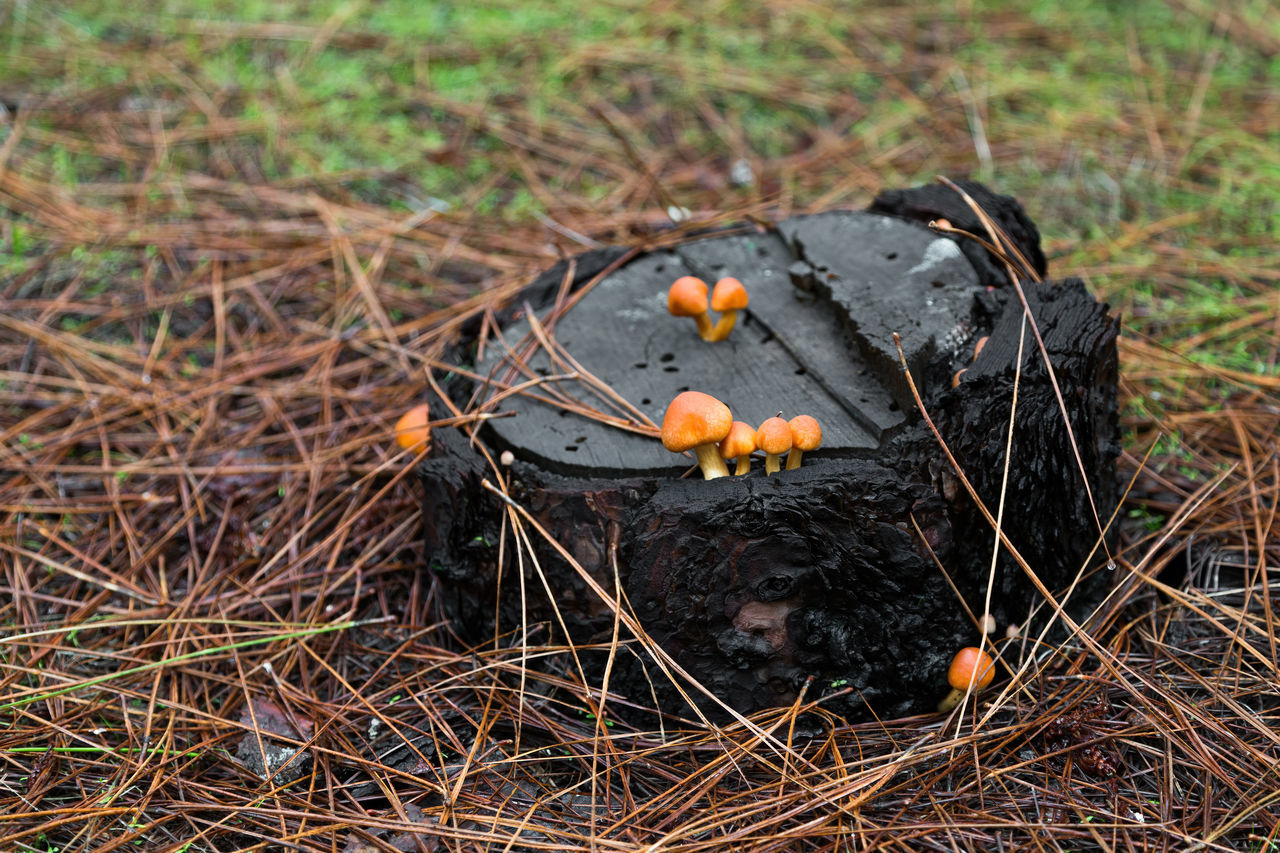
{"x":1098,"y":115}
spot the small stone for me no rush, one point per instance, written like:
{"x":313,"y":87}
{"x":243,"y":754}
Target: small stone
{"x":275,"y":761}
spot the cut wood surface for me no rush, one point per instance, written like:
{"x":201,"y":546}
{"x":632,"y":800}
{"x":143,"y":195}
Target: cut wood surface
{"x":827,"y":294}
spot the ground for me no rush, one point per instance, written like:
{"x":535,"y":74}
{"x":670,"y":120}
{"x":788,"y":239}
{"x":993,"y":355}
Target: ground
{"x":236,"y":238}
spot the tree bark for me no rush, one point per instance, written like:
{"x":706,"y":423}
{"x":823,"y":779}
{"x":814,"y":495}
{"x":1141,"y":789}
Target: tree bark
{"x":846,"y":570}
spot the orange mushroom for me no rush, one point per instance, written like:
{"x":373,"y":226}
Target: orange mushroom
{"x":688,"y":298}
{"x":774,"y":438}
{"x":698,"y":422}
{"x":413,"y":430}
{"x":806,"y":435}
{"x":971,"y":669}
{"x":729,"y":297}
{"x":739,"y":444}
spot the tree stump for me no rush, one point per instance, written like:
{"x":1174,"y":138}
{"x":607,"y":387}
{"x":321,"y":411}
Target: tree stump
{"x":847,"y":571}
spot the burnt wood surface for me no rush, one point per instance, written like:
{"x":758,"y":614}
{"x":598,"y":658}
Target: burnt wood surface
{"x":830,"y":572}
{"x":816,"y":339}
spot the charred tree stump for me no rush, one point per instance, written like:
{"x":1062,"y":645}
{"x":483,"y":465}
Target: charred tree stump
{"x":843,"y":570}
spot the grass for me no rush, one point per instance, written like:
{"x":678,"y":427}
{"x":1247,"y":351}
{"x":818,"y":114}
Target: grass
{"x":234,"y":235}
{"x":430,"y":97}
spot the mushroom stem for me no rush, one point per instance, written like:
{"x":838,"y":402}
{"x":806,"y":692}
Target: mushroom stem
{"x":687,"y":297}
{"x":723,"y":326}
{"x":710,"y":462}
{"x":806,"y":434}
{"x":728,"y":298}
{"x":951,"y":700}
{"x":772,"y":463}
{"x":705,"y":330}
{"x":739,"y":444}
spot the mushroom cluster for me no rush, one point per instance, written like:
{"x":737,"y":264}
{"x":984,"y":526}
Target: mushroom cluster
{"x":687,"y":297}
{"x":701,"y":423}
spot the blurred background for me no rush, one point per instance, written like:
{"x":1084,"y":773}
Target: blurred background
{"x":1134,"y":133}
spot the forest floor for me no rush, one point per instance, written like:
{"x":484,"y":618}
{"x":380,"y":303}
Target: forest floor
{"x":232,"y":249}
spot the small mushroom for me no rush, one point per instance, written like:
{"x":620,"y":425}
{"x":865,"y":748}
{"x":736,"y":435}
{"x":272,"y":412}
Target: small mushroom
{"x":977,"y":348}
{"x":698,"y":422}
{"x":955,"y":380}
{"x":729,"y":297}
{"x":413,"y":430}
{"x":739,"y":444}
{"x":806,"y":435}
{"x":688,"y":298}
{"x":971,"y":668}
{"x":774,"y":438}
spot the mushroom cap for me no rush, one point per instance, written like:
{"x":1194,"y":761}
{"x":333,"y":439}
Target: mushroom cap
{"x":694,"y":418}
{"x":413,"y":430}
{"x":729,"y":295}
{"x":774,"y":436}
{"x":806,"y":434}
{"x":687,"y":297}
{"x":740,"y":441}
{"x":965,"y":662}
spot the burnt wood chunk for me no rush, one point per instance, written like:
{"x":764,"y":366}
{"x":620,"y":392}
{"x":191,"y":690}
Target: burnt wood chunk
{"x":790,"y":353}
{"x":880,"y":276}
{"x":936,"y":201}
{"x":844,"y":573}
